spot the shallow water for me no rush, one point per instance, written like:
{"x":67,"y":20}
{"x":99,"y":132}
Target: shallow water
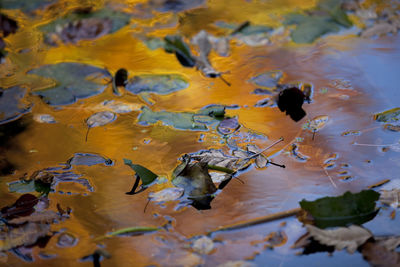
{"x":360,"y":79}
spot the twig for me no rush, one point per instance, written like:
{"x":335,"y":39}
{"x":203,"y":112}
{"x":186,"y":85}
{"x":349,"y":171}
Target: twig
{"x":330,"y":178}
{"x":256,"y":221}
{"x":87,"y":133}
{"x":279,"y":165}
{"x":262,"y":151}
{"x":219,"y":168}
{"x":225,"y":81}
{"x":356,"y":144}
{"x":241,"y":27}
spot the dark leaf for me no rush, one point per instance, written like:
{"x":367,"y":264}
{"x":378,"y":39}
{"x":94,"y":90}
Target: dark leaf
{"x":143,"y":173}
{"x":23,"y":206}
{"x":342,"y":210}
{"x":72,"y":81}
{"x":156,"y":83}
{"x":120,"y":79}
{"x":7,"y":25}
{"x":291,"y":101}
{"x":175,"y":44}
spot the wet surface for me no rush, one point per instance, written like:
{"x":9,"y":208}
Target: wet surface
{"x":352,"y":79}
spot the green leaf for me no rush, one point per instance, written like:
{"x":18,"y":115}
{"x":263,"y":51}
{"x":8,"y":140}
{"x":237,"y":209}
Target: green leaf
{"x":175,"y":44}
{"x":12,"y":104}
{"x":29,"y":186}
{"x":343,"y":210}
{"x":216,"y":111}
{"x":312,"y":28}
{"x":73,"y":81}
{"x":119,"y":19}
{"x":391,"y":115}
{"x":156,"y":83}
{"x":145,"y":174}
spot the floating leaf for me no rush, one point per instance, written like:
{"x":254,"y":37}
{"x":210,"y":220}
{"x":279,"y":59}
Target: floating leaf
{"x":183,"y":120}
{"x":291,"y":101}
{"x":167,"y":194}
{"x":268,"y":80}
{"x":228,"y":126}
{"x":26,"y":6}
{"x":343,"y":237}
{"x":378,"y":255}
{"x":12,"y":104}
{"x":142,"y":173}
{"x":217,"y":158}
{"x":388,"y":116}
{"x":23,"y":206}
{"x":390,"y":197}
{"x":47,"y":216}
{"x":99,"y":119}
{"x":156,"y":83}
{"x":24,"y":235}
{"x":77,"y":26}
{"x":393,"y":128}
{"x":201,"y":40}
{"x":175,"y":44}
{"x":73,"y":81}
{"x":379,"y":29}
{"x":196,"y":181}
{"x":66,"y":240}
{"x":346,"y":209}
{"x":89,"y":159}
{"x":120,"y":79}
{"x":203,"y":245}
{"x":44,"y":118}
{"x":316,"y":123}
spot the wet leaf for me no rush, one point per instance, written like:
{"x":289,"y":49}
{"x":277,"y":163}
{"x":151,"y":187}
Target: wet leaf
{"x":132,"y":231}
{"x":291,"y":101}
{"x":21,"y":186}
{"x":393,"y":128}
{"x":167,"y":194}
{"x":182,"y":120}
{"x":26,"y":6}
{"x":23,"y":206}
{"x":89,"y":159}
{"x":12,"y":104}
{"x":24,"y":235}
{"x":228,"y":126}
{"x":47,"y":216}
{"x":156,"y":83}
{"x":201,"y":40}
{"x":268,"y":80}
{"x":145,"y":175}
{"x":261,"y":161}
{"x":100,"y":119}
{"x":316,"y":123}
{"x":7,"y":25}
{"x":343,"y":237}
{"x":378,"y":255}
{"x":175,"y":44}
{"x":118,"y":106}
{"x":390,"y":197}
{"x":379,"y":29}
{"x":196,"y":181}
{"x":217,"y":158}
{"x":388,"y":116}
{"x":77,"y":26}
{"x":119,"y":80}
{"x":203,"y":245}
{"x":72,"y":81}
{"x":346,"y":209}
{"x":44,"y":118}
{"x":66,"y":240}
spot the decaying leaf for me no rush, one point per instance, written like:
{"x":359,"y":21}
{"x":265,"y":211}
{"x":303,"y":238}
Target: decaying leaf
{"x":228,"y":126}
{"x":316,"y":123}
{"x":343,"y":237}
{"x":218,"y":158}
{"x":268,"y":80}
{"x":390,"y":197}
{"x":24,"y":235}
{"x":47,"y":216}
{"x":23,"y":206}
{"x":72,"y":81}
{"x":167,"y":194}
{"x":175,"y":44}
{"x":203,"y":245}
{"x":342,"y":210}
{"x":156,"y":83}
{"x":118,"y":106}
{"x":66,"y":240}
{"x":388,"y":116}
{"x":201,"y":40}
{"x":44,"y":118}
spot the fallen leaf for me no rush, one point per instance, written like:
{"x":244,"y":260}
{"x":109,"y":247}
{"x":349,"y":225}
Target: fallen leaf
{"x":175,"y":44}
{"x":156,"y":83}
{"x":291,"y":101}
{"x":44,"y":118}
{"x":390,"y":198}
{"x":24,"y":235}
{"x":388,"y":116}
{"x":203,"y":245}
{"x":343,"y":237}
{"x":379,"y":29}
{"x":380,"y":256}
{"x":47,"y":216}
{"x":167,"y":194}
{"x":66,"y":240}
{"x":201,"y":40}
{"x":13,"y":104}
{"x":89,"y":159}
{"x":268,"y":81}
{"x":145,"y":175}
{"x":316,"y":123}
{"x":342,"y":210}
{"x":23,"y":206}
{"x":119,"y":106}
{"x":72,"y":81}
{"x":228,"y":126}
{"x":99,"y":119}
{"x":393,"y":128}
{"x":216,"y":157}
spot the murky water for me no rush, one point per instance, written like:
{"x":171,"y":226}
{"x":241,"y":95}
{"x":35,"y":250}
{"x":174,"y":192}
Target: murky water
{"x":353,"y":79}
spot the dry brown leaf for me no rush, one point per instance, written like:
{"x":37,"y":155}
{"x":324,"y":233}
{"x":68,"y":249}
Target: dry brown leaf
{"x":218,"y":158}
{"x":25,"y":235}
{"x":47,"y":216}
{"x":343,"y":237}
{"x":261,"y":161}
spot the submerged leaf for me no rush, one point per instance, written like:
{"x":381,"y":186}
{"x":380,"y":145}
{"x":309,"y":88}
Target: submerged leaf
{"x":26,"y":6}
{"x":72,"y":81}
{"x":343,"y":237}
{"x":100,"y":119}
{"x":268,"y":80}
{"x":346,"y":209}
{"x":145,"y":174}
{"x":156,"y":83}
{"x":167,"y":194}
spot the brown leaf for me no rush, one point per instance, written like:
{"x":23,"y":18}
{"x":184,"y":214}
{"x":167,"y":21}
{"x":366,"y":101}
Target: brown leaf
{"x":378,"y":255}
{"x":261,"y":161}
{"x":25,"y":235}
{"x":218,"y":158}
{"x":23,"y":206}
{"x":47,"y":216}
{"x":342,"y":237}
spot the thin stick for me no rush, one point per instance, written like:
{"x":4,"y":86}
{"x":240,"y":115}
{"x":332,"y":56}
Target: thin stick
{"x":356,"y":144}
{"x":313,"y":134}
{"x":145,"y":207}
{"x":330,"y":178}
{"x":225,"y":81}
{"x":241,"y":27}
{"x":87,"y":133}
{"x":262,"y":151}
{"x":279,"y":165}
{"x":256,"y":221}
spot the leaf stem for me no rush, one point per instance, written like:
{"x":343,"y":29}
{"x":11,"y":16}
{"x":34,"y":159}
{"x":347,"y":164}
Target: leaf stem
{"x":219,"y":168}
